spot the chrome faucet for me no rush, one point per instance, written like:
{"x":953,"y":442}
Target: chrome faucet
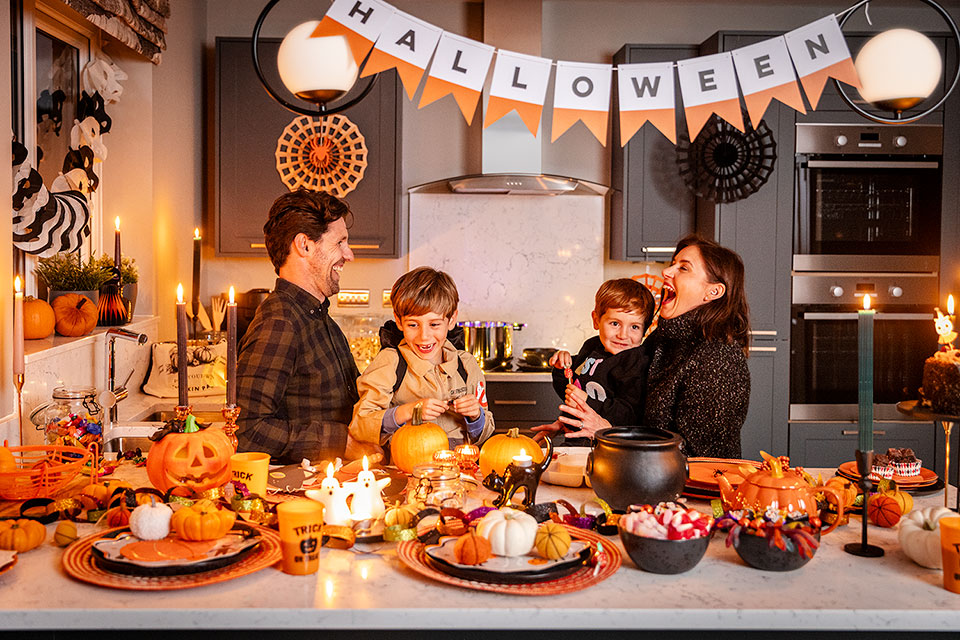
{"x":114,"y":395}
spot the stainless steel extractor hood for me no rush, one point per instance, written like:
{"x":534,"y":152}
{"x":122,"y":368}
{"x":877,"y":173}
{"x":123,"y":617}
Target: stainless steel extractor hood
{"x":528,"y":184}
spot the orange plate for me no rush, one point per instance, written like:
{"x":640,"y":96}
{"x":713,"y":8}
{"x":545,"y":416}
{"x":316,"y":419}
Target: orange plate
{"x":703,"y":470}
{"x":926,"y":476}
{"x":9,"y":565}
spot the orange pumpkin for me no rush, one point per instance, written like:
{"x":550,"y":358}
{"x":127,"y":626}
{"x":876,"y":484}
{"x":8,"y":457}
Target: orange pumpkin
{"x":415,"y":443}
{"x":38,"y":318}
{"x":497,"y":452}
{"x":848,"y":491}
{"x":21,"y":535}
{"x":76,"y":314}
{"x":197,"y":461}
{"x":472,"y":549}
{"x":99,"y":493}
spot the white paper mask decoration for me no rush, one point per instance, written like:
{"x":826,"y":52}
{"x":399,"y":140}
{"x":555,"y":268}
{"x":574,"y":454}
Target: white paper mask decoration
{"x":101,"y":74}
{"x":87,"y":133}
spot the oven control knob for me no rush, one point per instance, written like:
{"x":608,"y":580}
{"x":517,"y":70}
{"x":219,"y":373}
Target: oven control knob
{"x":841,"y":140}
{"x":896,"y":292}
{"x":836,"y":291}
{"x":900,"y":141}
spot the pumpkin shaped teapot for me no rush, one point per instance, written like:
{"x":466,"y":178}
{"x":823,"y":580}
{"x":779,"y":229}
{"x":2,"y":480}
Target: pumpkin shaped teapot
{"x":778,"y":487}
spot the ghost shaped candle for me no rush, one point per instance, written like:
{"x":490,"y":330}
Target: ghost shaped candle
{"x":367,"y":498}
{"x":334,"y":499}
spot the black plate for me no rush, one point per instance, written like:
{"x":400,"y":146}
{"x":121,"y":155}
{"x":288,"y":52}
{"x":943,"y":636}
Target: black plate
{"x":197,"y":567}
{"x":560,"y":570}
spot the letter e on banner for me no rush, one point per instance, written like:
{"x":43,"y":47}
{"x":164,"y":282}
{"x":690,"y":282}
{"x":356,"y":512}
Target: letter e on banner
{"x":582,"y":92}
{"x":519,"y":83}
{"x":646,"y":94}
{"x":709,"y":85}
{"x":765,"y":72}
{"x":819,"y":51}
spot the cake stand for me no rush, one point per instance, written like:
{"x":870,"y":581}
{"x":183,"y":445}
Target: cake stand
{"x":914,"y":409}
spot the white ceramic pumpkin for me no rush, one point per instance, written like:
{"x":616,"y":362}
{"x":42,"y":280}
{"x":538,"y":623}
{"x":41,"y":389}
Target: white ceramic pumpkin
{"x":920,"y":535}
{"x":509,"y":531}
{"x":151,"y":521}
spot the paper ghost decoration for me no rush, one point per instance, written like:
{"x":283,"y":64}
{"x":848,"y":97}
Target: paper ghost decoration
{"x":91,"y":106}
{"x":86,"y":133}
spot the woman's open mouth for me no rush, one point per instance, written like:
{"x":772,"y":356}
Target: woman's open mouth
{"x":667,"y":295}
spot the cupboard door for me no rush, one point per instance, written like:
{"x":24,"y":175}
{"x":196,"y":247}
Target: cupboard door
{"x":829,"y":444}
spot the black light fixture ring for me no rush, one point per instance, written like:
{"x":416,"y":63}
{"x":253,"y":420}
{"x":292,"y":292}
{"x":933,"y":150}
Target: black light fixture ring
{"x":322,"y":109}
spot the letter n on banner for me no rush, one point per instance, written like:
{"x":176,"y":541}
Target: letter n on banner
{"x":709,"y":85}
{"x":405,"y":43}
{"x":359,"y":21}
{"x":582,"y":92}
{"x":646,"y":94}
{"x":766,"y":72}
{"x":519,"y":83}
{"x":459,"y":67}
{"x":819,"y":51}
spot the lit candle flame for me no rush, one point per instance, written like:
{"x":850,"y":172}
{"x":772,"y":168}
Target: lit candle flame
{"x":866,"y":301}
{"x":117,"y":222}
{"x":330,"y":470}
{"x":196,"y":234}
{"x":180,"y":293}
{"x":950,"y":304}
{"x":16,"y":284}
{"x":366,"y":464}
{"x":232,"y":295}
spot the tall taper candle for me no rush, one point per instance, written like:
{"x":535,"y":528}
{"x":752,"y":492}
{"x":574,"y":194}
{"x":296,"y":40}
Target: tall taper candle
{"x":116,"y":244}
{"x":17,"y":328}
{"x":182,"y":396}
{"x":231,"y":349}
{"x":865,"y":374}
{"x":195,"y":294}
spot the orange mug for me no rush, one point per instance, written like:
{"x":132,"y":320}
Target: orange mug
{"x":300,"y":522}
{"x":950,"y":552}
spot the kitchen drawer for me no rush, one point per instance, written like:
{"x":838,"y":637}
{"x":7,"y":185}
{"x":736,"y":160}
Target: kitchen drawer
{"x":522,"y":404}
{"x":828,"y":444}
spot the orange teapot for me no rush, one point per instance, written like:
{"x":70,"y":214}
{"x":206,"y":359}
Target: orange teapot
{"x":779,"y":488}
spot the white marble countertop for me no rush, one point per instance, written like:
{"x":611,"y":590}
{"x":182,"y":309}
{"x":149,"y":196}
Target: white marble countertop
{"x":518,"y":376}
{"x":370,"y":588}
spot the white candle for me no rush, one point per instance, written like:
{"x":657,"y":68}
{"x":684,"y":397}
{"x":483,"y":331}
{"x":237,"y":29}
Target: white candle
{"x":334,"y":499}
{"x":522,"y":460}
{"x":366,"y":490}
{"x":17,"y":328}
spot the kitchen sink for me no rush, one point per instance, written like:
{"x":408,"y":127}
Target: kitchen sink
{"x":127,"y":436}
{"x":116,"y":445}
{"x":166,"y":415}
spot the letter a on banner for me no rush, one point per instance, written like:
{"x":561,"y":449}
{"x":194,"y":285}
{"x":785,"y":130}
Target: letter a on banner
{"x":582,"y":92}
{"x":459,"y":67}
{"x":519,"y":82}
{"x":709,"y":85}
{"x":766,"y":72}
{"x":405,"y":43}
{"x":646,"y":95}
{"x":359,"y":21}
{"x":819,"y":51}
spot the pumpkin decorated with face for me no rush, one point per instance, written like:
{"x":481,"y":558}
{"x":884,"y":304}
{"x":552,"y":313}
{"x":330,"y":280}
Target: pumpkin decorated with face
{"x":197,"y":460}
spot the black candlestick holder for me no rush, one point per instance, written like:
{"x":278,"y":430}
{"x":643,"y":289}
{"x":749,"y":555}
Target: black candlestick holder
{"x":863,"y":548}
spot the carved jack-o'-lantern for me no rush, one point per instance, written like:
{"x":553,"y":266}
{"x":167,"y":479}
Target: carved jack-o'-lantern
{"x":197,"y":460}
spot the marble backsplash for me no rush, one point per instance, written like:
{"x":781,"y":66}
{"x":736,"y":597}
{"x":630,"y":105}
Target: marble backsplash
{"x":531,"y":259}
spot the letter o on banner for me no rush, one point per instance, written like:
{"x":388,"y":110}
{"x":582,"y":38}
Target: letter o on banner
{"x":582,"y":86}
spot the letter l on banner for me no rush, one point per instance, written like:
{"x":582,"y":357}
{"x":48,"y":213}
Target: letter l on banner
{"x":819,"y":51}
{"x":359,"y":21}
{"x":646,"y":94}
{"x":709,"y":85}
{"x":459,"y":67}
{"x":519,"y":82}
{"x":582,"y":92}
{"x":405,"y":43}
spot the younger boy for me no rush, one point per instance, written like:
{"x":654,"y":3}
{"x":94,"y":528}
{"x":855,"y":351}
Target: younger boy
{"x":433,"y":374}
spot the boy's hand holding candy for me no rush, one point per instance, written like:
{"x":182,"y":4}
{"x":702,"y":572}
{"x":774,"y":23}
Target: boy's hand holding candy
{"x":468,"y":406}
{"x":561,"y":360}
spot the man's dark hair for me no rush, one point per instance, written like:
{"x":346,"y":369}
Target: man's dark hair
{"x":300,"y":211}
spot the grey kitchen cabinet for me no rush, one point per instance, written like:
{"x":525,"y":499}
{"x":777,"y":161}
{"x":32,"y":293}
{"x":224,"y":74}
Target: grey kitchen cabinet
{"x":829,"y":444}
{"x":650,"y":206}
{"x":246,"y":125}
{"x":765,"y":428}
{"x":522,"y":404}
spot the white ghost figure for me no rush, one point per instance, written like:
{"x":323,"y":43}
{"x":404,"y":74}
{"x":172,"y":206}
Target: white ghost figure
{"x":87,"y":133}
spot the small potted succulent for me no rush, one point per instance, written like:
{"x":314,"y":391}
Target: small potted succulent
{"x":129,"y":277}
{"x":69,"y":273}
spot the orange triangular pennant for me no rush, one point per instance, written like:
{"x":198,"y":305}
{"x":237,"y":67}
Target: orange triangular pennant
{"x":788,"y":93}
{"x":498,"y":107}
{"x":410,"y":74}
{"x":697,"y":116}
{"x":813,"y":83}
{"x":436,"y":88}
{"x":595,"y":121}
{"x":665,"y":120}
{"x":359,"y":45}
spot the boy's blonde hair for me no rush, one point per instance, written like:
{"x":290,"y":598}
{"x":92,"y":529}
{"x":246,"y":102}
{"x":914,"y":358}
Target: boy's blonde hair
{"x":424,"y":290}
{"x":626,"y":294}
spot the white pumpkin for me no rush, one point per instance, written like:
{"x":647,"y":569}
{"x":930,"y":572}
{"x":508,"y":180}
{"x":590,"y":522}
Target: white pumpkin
{"x":151,"y":521}
{"x":509,"y":531}
{"x":920,"y":535}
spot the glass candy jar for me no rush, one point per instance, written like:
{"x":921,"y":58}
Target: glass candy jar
{"x":74,"y":417}
{"x":363,"y":334}
{"x":436,"y":486}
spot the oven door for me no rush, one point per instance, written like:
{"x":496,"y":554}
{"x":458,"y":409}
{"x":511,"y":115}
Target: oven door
{"x":823,"y":360}
{"x":868,"y":205}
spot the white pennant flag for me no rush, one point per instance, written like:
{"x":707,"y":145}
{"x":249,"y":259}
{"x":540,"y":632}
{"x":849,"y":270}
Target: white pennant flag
{"x":459,"y":67}
{"x":405,"y":43}
{"x":646,"y":94}
{"x":519,"y":82}
{"x":819,"y":51}
{"x":359,"y":21}
{"x":766,"y":72}
{"x":709,"y":85}
{"x":582,"y":92}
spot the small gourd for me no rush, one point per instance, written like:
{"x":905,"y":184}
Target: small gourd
{"x":76,"y":314}
{"x":920,"y":535}
{"x":472,"y":549}
{"x":99,"y":493}
{"x":202,"y":521}
{"x":21,"y":535}
{"x":151,"y":521}
{"x":416,"y":442}
{"x":65,"y":533}
{"x":552,"y":541}
{"x":119,"y":516}
{"x":904,"y":499}
{"x":510,"y":532}
{"x":401,"y":515}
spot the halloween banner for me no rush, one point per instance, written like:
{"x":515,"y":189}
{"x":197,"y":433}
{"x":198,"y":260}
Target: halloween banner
{"x":582,"y":92}
{"x":646,"y":94}
{"x":709,"y":85}
{"x":519,"y":83}
{"x":406,"y":44}
{"x":819,"y":51}
{"x":765,"y":72}
{"x":359,"y":21}
{"x":459,"y":67}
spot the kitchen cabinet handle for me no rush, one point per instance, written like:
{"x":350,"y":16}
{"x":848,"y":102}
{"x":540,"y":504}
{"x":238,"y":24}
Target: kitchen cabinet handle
{"x":364,"y":246}
{"x":764,"y":333}
{"x":773,"y":349}
{"x":523,"y":403}
{"x":870,"y":164}
{"x":669,"y":250}
{"x":853,"y":432}
{"x":257,"y":245}
{"x":830,"y":315}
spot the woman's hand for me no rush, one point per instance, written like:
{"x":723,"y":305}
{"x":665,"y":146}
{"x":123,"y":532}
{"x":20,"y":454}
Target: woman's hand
{"x":468,"y":406}
{"x":432,"y":409}
{"x":574,"y":396}
{"x":544,"y":430}
{"x":560,"y":360}
{"x":583,"y":419}
{"x":356,"y":449}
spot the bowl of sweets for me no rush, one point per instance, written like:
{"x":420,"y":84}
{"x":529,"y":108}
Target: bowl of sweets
{"x":668,"y":538}
{"x":773,"y":540}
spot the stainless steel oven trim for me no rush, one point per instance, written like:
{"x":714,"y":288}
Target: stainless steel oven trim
{"x":828,"y":315}
{"x":846,"y":413}
{"x":923,"y":265}
{"x":871,"y":164}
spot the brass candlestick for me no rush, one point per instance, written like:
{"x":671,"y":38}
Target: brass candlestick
{"x":230,"y":414}
{"x":180,"y":412}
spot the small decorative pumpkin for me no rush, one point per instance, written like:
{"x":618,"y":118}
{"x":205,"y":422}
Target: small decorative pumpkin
{"x":65,"y":533}
{"x":552,"y":540}
{"x":401,"y":515}
{"x":76,"y":315}
{"x":151,"y":521}
{"x":498,"y":451}
{"x":472,"y":549}
{"x":119,"y":516}
{"x":848,"y":490}
{"x":416,"y":442}
{"x":202,"y":521}
{"x":21,"y":535}
{"x":38,"y":318}
{"x":510,"y":532}
{"x":99,"y":493}
{"x":197,"y":459}
{"x":920,"y":536}
{"x":883,"y":511}
{"x":904,"y":499}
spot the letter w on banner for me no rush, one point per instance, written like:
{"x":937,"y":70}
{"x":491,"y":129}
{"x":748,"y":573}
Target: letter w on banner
{"x":406,"y":44}
{"x":519,"y":82}
{"x":765,"y":72}
{"x":582,"y":92}
{"x":709,"y":85}
{"x":646,"y":95}
{"x":359,"y":21}
{"x":819,"y":51}
{"x":459,"y":67}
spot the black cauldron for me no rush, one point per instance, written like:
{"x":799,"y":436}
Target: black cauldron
{"x":636,"y":465}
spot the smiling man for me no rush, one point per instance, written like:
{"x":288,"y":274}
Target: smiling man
{"x":297,"y":381}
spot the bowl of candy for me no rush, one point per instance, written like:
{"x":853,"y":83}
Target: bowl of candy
{"x":773,"y":540}
{"x":667,"y":538}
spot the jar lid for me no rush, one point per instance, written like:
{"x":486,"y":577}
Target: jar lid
{"x":435,"y":472}
{"x":74,"y":393}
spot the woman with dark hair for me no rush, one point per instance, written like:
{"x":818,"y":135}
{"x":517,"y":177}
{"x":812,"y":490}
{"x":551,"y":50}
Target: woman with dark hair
{"x":698,"y":384}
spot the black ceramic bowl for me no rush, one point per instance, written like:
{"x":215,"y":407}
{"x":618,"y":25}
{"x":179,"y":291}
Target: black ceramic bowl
{"x":757,"y":552}
{"x":664,"y":556}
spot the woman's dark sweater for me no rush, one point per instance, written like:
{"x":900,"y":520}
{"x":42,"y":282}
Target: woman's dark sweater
{"x":698,"y":388}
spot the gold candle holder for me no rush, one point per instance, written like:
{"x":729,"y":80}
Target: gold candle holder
{"x":445,"y":458}
{"x":180,"y":412}
{"x":468,"y":456}
{"x":230,"y":414}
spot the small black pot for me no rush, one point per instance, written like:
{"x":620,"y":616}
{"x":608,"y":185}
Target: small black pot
{"x":664,"y":556}
{"x":757,"y":552}
{"x":636,"y":465}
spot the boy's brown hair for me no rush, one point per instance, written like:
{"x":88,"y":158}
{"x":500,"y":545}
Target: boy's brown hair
{"x":424,"y":290}
{"x":626,"y":294}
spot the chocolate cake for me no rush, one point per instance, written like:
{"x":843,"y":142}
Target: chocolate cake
{"x":941,"y":382}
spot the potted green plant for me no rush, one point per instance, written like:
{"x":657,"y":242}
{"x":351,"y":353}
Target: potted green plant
{"x":129,"y":277}
{"x":69,"y":273}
